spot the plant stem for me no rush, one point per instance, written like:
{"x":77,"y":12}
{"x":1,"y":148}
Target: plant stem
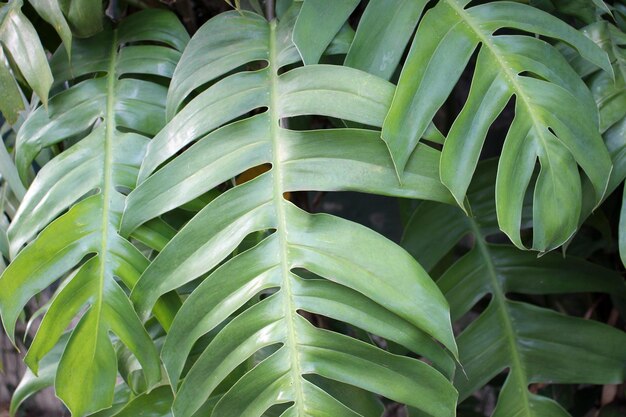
{"x":269,"y":10}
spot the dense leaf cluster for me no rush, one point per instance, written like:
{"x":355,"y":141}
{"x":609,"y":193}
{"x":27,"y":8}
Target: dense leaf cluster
{"x":156,"y":198}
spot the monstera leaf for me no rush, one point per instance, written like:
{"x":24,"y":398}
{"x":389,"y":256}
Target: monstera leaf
{"x":552,"y":124}
{"x":103,"y":120}
{"x":225,"y":120}
{"x":535,"y":344}
{"x":610,"y":96}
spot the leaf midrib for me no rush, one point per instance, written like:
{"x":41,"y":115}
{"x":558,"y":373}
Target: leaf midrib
{"x":517,"y":369}
{"x":107,"y":179}
{"x":291,"y":342}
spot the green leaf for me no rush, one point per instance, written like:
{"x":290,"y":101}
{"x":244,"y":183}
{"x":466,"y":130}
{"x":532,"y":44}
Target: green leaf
{"x":154,"y":404}
{"x":388,"y":294}
{"x":9,"y":173}
{"x":562,"y":138}
{"x":585,"y":10}
{"x":610,"y":96}
{"x":113,"y":112}
{"x":31,"y":384}
{"x":511,"y":334}
{"x":50,"y":11}
{"x":21,"y":45}
{"x":609,"y":92}
{"x":122,"y":397}
{"x":85,"y":16}
{"x":317,"y":24}
{"x":383,"y":34}
{"x":12,"y":102}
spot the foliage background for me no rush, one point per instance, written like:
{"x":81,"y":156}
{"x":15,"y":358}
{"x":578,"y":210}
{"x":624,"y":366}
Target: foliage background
{"x":597,"y":240}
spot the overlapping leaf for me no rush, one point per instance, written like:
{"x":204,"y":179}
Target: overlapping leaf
{"x":585,"y":10}
{"x":21,"y":57}
{"x":383,"y":33}
{"x":85,"y":17}
{"x":610,"y":96}
{"x":535,"y":344}
{"x":552,"y":124}
{"x":364,"y":279}
{"x":109,"y":113}
{"x":384,"y":30}
{"x":317,"y":24}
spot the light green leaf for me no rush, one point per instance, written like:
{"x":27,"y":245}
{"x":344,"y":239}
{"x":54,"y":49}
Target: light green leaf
{"x":388,"y":294}
{"x":561,"y":138}
{"x":112,"y":112}
{"x":21,"y":45}
{"x":317,"y":24}
{"x":9,"y":173}
{"x":12,"y":102}
{"x":383,"y":34}
{"x":30,"y":384}
{"x":50,"y":11}
{"x":154,"y":404}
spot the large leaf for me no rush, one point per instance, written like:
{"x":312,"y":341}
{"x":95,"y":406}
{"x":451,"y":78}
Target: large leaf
{"x":561,"y":137}
{"x":112,"y":112}
{"x":383,"y":33}
{"x":367,"y":281}
{"x":535,"y":344}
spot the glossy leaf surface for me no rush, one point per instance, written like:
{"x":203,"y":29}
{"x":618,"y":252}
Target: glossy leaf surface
{"x":23,"y":54}
{"x":113,"y":114}
{"x":387,"y":294}
{"x":562,"y":138}
{"x":317,"y":24}
{"x":383,"y":33}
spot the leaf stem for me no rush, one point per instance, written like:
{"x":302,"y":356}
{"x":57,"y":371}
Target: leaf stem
{"x":269,"y":10}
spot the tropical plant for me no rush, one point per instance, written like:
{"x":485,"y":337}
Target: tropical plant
{"x":510,"y":333}
{"x":610,"y":96}
{"x":355,"y":284}
{"x":168,"y":192}
{"x":109,"y":116}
